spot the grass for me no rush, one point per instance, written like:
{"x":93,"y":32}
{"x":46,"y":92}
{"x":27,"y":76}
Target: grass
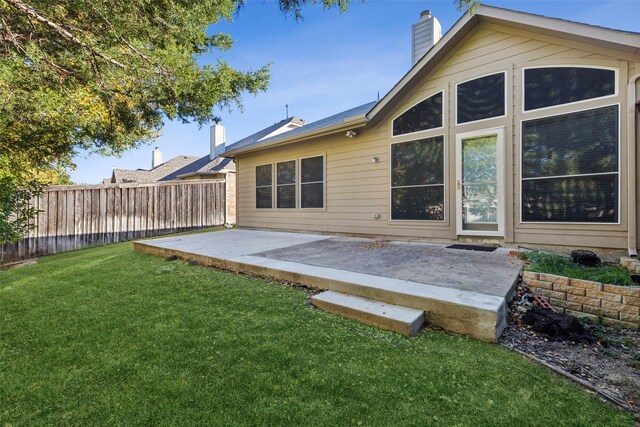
{"x":107,"y":336}
{"x":545,"y":262}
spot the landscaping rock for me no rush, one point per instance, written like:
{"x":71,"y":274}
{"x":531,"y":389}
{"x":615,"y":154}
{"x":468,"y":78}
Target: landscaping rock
{"x":556,"y":325}
{"x":584,"y":257}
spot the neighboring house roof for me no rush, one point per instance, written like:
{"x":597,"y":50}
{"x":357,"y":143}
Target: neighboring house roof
{"x":346,"y":118}
{"x":626,"y":42}
{"x":153,"y":175}
{"x":264,"y":133}
{"x":176,"y":168}
{"x":204,"y":166}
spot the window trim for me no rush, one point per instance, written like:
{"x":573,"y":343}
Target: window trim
{"x":445,"y":183}
{"x":444,"y":102}
{"x":506,"y":98}
{"x":619,"y":172}
{"x":256,"y":186}
{"x":500,"y":133}
{"x":599,"y":67}
{"x":295,"y":184}
{"x":324,"y":182}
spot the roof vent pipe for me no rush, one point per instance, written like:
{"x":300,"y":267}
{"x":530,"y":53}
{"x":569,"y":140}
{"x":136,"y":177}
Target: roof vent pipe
{"x":424,"y":34}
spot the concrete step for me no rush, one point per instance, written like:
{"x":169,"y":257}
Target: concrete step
{"x":404,"y":320}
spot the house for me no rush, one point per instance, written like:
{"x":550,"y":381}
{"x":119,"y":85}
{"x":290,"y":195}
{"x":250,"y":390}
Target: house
{"x":513,"y":127}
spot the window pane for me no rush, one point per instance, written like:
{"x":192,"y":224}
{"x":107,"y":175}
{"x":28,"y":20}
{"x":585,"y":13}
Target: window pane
{"x":286,"y":172}
{"x":481,"y":98}
{"x":312,"y":195}
{"x":544,"y":87}
{"x":479,"y":159}
{"x":287,"y":196}
{"x":263,"y":175}
{"x":418,"y":203}
{"x":418,"y":162}
{"x":311,"y":169}
{"x":479,"y":204}
{"x":264,"y":197}
{"x":577,"y":143}
{"x":575,"y":199}
{"x":425,"y":115}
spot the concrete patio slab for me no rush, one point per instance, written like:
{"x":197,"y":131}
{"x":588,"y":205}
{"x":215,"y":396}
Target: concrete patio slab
{"x":451,"y":304}
{"x":490,"y":273}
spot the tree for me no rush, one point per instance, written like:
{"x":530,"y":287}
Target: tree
{"x":103,"y":75}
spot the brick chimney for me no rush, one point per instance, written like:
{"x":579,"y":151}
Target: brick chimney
{"x":424,"y":34}
{"x":217,"y":140}
{"x":156,"y":158}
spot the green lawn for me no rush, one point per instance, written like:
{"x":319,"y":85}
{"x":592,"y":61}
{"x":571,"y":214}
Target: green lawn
{"x":108,"y":336}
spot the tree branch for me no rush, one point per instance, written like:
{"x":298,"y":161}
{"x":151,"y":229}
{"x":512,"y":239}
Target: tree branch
{"x":31,"y":12}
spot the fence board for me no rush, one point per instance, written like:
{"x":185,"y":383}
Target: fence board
{"x":74,"y":217}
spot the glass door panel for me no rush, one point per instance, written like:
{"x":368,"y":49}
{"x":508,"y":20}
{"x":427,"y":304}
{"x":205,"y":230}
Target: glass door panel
{"x":479,"y":183}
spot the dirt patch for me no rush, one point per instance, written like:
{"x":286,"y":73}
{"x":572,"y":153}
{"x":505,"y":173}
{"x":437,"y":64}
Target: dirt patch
{"x":611,"y":363}
{"x":18,"y":264}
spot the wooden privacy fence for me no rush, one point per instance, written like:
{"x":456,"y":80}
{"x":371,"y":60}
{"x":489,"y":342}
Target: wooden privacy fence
{"x":74,"y":217}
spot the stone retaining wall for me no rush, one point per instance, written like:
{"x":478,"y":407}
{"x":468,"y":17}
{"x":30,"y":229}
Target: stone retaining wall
{"x":614,"y":305}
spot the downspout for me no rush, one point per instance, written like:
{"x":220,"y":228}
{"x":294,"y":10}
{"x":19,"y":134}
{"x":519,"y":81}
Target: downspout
{"x":632,"y":136}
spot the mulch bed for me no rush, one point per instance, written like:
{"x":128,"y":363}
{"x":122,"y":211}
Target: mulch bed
{"x":607,"y":364}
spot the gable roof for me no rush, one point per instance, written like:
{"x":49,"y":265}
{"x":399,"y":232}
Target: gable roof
{"x":622,"y":41}
{"x":350,"y":118}
{"x":625,"y":42}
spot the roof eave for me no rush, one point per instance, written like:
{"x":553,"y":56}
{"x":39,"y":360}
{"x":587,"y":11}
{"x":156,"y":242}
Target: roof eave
{"x":621,"y":41}
{"x":353,"y":122}
{"x":190,"y":174}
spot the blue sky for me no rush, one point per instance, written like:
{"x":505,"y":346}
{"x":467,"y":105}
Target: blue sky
{"x":327,"y":63}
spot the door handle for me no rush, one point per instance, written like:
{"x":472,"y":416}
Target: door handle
{"x":459,"y":184}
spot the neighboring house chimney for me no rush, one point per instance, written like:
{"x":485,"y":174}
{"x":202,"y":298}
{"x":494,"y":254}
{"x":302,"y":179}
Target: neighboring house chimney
{"x":216,"y":141}
{"x":156,"y":158}
{"x":424,"y":35}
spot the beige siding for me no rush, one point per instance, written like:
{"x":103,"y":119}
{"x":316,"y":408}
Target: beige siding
{"x":357,"y":188}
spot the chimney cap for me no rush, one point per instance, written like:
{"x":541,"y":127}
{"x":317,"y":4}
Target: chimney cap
{"x":425,"y":14}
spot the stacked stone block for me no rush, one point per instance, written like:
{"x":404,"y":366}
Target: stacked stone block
{"x":614,"y":305}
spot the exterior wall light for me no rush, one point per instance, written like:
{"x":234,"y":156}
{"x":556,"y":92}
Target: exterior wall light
{"x":351,"y":133}
{"x":375,"y":159}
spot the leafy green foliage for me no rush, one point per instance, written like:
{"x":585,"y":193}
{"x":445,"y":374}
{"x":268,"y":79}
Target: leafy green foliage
{"x":106,"y":336}
{"x":103,"y":76}
{"x":545,"y":262}
{"x":15,"y":210}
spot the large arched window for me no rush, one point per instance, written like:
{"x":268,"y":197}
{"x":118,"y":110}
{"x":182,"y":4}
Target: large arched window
{"x":425,"y":115}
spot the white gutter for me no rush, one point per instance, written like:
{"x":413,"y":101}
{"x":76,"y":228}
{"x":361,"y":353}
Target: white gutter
{"x":632,"y":136}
